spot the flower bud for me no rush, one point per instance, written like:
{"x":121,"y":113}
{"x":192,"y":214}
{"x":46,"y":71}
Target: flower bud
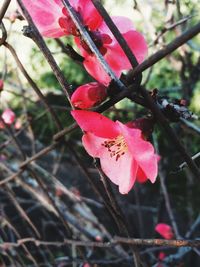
{"x":1,"y":85}
{"x":8,"y":116}
{"x":89,"y":95}
{"x":164,"y":230}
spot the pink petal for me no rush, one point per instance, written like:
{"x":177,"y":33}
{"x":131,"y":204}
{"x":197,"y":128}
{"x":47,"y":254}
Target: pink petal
{"x":89,"y":95}
{"x":113,"y":53}
{"x":83,"y":52}
{"x":89,"y":14}
{"x":94,"y":68}
{"x":141,"y":176}
{"x":95,"y":123}
{"x":164,"y":230}
{"x":121,"y":172}
{"x":45,"y":14}
{"x":142,"y":150}
{"x":1,"y":85}
{"x":8,"y":116}
{"x":146,"y":158}
{"x":93,"y":144}
{"x":123,"y":24}
{"x":67,"y":25}
{"x":115,"y":56}
{"x":161,"y":256}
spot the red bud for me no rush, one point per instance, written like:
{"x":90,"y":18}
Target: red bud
{"x":89,"y":95}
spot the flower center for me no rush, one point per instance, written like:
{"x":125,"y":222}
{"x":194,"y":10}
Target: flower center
{"x":117,"y":147}
{"x":97,"y":39}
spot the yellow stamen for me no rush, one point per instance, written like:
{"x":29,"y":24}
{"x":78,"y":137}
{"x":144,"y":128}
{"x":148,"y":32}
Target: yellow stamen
{"x":117,"y":147}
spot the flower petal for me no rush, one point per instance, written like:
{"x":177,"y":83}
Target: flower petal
{"x":95,"y":69}
{"x":95,"y":123}
{"x":164,"y":230}
{"x":141,"y":176}
{"x":1,"y":85}
{"x":123,"y":24}
{"x":93,"y":144}
{"x":8,"y":116}
{"x":89,"y":14}
{"x":89,"y":95}
{"x":113,"y":53}
{"x":45,"y":14}
{"x":121,"y":172}
{"x":142,"y":150}
{"x":116,"y":57}
{"x":146,"y":158}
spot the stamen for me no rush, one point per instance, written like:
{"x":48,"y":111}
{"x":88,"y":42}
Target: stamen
{"x":117,"y":147}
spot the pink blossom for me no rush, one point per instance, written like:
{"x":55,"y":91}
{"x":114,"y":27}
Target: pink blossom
{"x":89,"y":95}
{"x":164,"y":230}
{"x":161,"y":257}
{"x":1,"y":85}
{"x":87,"y":13}
{"x":98,"y":238}
{"x":8,"y":116}
{"x":53,"y":20}
{"x":18,"y":124}
{"x":124,"y":155}
{"x":45,"y":14}
{"x":111,"y":50}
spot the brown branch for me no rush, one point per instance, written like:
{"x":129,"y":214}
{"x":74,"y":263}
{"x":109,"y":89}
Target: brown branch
{"x":69,"y":51}
{"x":33,"y":84}
{"x":171,"y":47}
{"x":4,"y":9}
{"x":37,"y":38}
{"x":114,"y":242}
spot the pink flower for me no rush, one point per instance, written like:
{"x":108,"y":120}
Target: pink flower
{"x":111,"y":50}
{"x":53,"y":20}
{"x":8,"y":116}
{"x":18,"y":124}
{"x":89,"y":95}
{"x":161,"y":257}
{"x":87,"y":13}
{"x":45,"y":14}
{"x":124,"y":155}
{"x":1,"y":85}
{"x":164,"y":230}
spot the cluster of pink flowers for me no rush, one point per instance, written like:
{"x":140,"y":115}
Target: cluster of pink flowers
{"x":53,"y":20}
{"x":124,"y":153}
